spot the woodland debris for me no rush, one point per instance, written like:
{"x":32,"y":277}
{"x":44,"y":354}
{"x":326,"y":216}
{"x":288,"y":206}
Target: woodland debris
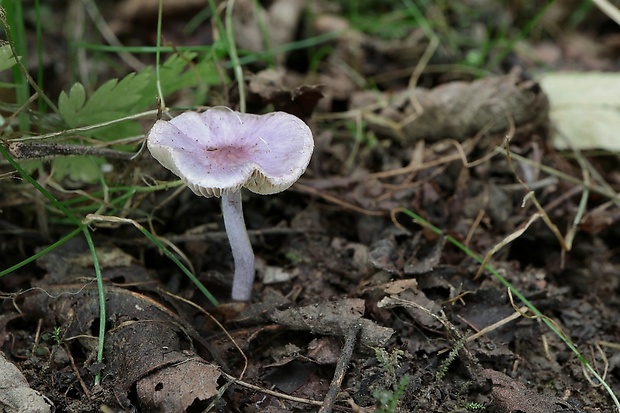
{"x":457,"y":110}
{"x":511,"y":396}
{"x":15,"y":394}
{"x":334,"y":318}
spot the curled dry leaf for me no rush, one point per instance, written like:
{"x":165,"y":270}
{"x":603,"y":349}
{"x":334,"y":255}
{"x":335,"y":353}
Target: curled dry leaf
{"x":458,"y":110}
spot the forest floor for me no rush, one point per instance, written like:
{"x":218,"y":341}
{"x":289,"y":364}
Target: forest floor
{"x":435,"y":147}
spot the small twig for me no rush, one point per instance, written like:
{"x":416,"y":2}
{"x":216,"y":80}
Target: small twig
{"x":76,"y":371}
{"x":498,"y":324}
{"x":605,"y":367}
{"x":20,"y":64}
{"x":278,"y":394}
{"x":561,"y":175}
{"x":609,"y":9}
{"x":341,"y":367}
{"x":481,"y":214}
{"x":310,"y":190}
{"x":21,"y":150}
{"x":87,"y":128}
{"x":8,"y":121}
{"x":507,"y":240}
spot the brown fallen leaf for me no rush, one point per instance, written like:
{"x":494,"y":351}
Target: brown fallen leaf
{"x":269,"y":87}
{"x":511,"y":396}
{"x":423,"y":310}
{"x":176,"y":387}
{"x":15,"y":394}
{"x":459,"y":110}
{"x":334,"y":319}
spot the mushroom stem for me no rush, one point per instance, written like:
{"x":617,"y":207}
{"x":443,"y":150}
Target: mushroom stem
{"x":240,"y":245}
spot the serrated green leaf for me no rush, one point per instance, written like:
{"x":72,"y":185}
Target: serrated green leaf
{"x":70,"y":104}
{"x":7,"y":59}
{"x":110,"y":101}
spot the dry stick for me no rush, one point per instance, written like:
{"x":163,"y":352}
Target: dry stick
{"x":415,"y":76}
{"x":412,"y":168}
{"x":76,"y":371}
{"x":561,"y":175}
{"x":8,"y":121}
{"x":532,"y":196}
{"x":516,"y":234}
{"x":313,"y":191}
{"x":609,"y":344}
{"x":461,"y":154}
{"x":87,"y":128}
{"x":278,"y":394}
{"x":609,"y":9}
{"x":341,"y":367}
{"x":479,"y":217}
{"x":605,"y":367}
{"x":496,"y":325}
{"x":21,"y":150}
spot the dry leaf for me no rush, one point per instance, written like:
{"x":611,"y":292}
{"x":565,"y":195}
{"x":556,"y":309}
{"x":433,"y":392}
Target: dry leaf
{"x":585,"y":109}
{"x":176,"y":387}
{"x":15,"y":393}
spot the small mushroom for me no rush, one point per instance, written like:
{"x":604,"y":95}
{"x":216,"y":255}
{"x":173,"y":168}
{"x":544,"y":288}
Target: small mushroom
{"x":219,"y":151}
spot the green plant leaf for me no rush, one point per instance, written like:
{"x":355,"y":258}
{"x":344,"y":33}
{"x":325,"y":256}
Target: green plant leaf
{"x":7,"y":59}
{"x":70,"y":104}
{"x":135,"y":92}
{"x":110,"y":101}
{"x":78,"y":168}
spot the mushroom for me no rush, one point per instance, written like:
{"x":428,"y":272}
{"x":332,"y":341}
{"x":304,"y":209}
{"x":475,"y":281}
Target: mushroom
{"x":219,"y":151}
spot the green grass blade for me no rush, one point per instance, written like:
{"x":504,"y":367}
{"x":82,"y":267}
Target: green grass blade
{"x":234,"y":56}
{"x":160,"y":13}
{"x":16,"y":32}
{"x":85,"y":231}
{"x":151,"y":237}
{"x":41,"y":253}
{"x":179,"y":264}
{"x":101,"y":296}
{"x":40,"y":68}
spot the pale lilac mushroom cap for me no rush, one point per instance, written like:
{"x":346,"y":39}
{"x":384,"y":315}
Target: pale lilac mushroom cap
{"x":219,"y":151}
